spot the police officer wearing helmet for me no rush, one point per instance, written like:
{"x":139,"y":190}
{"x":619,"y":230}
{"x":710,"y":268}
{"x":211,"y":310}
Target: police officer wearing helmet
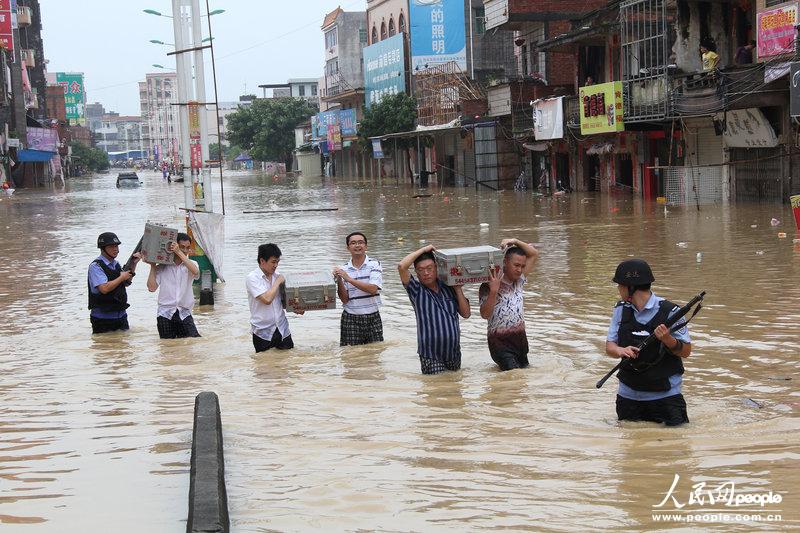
{"x":108,"y":299}
{"x":650,"y":380}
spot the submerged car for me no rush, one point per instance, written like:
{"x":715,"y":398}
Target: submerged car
{"x":128,"y":180}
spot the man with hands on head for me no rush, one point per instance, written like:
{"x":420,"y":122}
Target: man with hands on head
{"x":175,"y":295}
{"x":268,"y":322}
{"x":437,"y":308}
{"x":501,"y":304}
{"x":358,"y":284}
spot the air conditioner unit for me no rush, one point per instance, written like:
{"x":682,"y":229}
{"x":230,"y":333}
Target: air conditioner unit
{"x":24,"y":15}
{"x":29,"y":57}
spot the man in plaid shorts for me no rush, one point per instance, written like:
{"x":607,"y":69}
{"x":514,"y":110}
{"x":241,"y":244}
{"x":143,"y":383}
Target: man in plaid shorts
{"x":175,"y":296}
{"x":359,"y":283}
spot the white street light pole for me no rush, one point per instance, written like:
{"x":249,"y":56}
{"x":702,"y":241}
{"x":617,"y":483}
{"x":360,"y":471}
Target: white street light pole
{"x":200,"y":93}
{"x":182,"y":68}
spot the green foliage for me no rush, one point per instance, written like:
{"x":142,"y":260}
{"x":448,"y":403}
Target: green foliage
{"x":266,"y":128}
{"x":92,"y":159}
{"x":393,"y":114}
{"x":231,"y":152}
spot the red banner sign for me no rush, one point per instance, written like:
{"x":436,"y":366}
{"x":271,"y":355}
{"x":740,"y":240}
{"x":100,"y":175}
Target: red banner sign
{"x":6,"y":31}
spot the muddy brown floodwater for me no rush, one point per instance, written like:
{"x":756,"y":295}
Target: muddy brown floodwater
{"x":95,"y":431}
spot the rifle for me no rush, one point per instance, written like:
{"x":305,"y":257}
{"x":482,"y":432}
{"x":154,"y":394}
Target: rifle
{"x":127,"y":266}
{"x":671,"y":324}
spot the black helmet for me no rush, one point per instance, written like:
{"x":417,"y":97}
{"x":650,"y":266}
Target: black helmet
{"x":107,"y":239}
{"x":633,"y":272}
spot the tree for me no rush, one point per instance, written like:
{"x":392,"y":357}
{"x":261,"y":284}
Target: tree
{"x":394,"y":114}
{"x":265,"y":129}
{"x":231,"y":152}
{"x":92,"y":159}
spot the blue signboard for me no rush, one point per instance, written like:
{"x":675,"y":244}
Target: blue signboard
{"x":438,"y":33}
{"x":347,"y":122}
{"x":384,"y":69}
{"x":344,"y":120}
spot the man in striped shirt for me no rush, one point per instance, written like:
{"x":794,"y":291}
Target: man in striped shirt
{"x":359,"y":283}
{"x":437,"y":308}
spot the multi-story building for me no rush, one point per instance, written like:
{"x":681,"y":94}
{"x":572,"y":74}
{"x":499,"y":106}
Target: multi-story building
{"x":94,"y":115}
{"x":121,"y":137}
{"x":31,"y":49}
{"x":305,"y":88}
{"x":161,"y":128}
{"x":344,"y":37}
{"x":661,"y":99}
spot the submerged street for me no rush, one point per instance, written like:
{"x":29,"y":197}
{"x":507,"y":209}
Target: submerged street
{"x":95,"y":431}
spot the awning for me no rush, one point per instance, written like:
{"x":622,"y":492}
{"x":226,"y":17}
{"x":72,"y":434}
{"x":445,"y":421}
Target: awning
{"x":581,"y":35}
{"x":34,"y":156}
{"x":454,"y":125}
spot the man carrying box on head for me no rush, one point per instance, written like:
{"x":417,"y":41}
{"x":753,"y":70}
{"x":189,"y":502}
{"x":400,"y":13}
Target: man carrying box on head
{"x":501,"y":305}
{"x":437,"y":308}
{"x":175,"y":296}
{"x":359,"y":284}
{"x":268,"y":322}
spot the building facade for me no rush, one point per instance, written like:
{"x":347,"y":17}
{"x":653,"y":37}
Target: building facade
{"x":161,"y":131}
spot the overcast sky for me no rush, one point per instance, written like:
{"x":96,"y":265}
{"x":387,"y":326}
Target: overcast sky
{"x":255,"y":42}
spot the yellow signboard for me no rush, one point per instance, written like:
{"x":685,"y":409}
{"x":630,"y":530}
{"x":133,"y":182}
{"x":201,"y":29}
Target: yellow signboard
{"x":601,"y":108}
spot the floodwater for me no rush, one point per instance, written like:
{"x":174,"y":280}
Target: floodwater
{"x":95,"y":431}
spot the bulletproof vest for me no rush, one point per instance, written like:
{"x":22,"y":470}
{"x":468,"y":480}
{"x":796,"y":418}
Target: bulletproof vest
{"x":116,"y":300}
{"x":651,"y":370}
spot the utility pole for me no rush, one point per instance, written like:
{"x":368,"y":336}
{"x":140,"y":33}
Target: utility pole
{"x":183,"y":73}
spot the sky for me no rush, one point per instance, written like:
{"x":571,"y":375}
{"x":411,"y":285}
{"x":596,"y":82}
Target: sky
{"x":255,"y":42}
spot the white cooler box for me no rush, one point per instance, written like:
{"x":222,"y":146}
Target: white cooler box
{"x":310,"y":291}
{"x":471,"y":264}
{"x":154,"y":244}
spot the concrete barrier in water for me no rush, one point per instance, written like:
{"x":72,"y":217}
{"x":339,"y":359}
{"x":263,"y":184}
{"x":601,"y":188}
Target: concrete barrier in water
{"x":208,"y":500}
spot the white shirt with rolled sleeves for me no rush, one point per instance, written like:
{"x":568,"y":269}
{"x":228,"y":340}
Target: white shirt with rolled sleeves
{"x":175,"y":290}
{"x":363,"y":303}
{"x":264,"y":319}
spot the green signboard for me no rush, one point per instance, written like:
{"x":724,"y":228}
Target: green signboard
{"x":74,"y":95}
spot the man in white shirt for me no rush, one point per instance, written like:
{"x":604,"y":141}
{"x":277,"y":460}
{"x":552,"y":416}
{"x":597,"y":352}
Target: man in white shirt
{"x":175,"y":295}
{"x":268,"y":322}
{"x":359,"y":283}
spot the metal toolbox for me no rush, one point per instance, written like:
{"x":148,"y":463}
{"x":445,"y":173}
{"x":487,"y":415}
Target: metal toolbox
{"x":310,"y":291}
{"x":155,"y":241}
{"x":471,"y":264}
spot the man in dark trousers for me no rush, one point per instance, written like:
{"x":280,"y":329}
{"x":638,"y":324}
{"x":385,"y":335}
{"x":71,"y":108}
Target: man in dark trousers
{"x":437,"y":307}
{"x":108,"y":298}
{"x":650,"y":380}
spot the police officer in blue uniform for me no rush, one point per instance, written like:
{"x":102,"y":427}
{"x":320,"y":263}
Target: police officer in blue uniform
{"x":108,"y":299}
{"x":651,"y":379}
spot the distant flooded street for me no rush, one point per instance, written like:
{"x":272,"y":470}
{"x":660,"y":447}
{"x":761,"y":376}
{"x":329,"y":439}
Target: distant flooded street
{"x":95,"y":431}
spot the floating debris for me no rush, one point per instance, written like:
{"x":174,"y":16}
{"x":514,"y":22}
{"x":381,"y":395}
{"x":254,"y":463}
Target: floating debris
{"x":682,"y":245}
{"x":749,"y":402}
{"x":775,"y":222}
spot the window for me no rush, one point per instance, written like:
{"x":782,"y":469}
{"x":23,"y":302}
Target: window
{"x":331,"y":39}
{"x":221,"y":121}
{"x":479,"y":15}
{"x":374,"y":35}
{"x":362,"y":35}
{"x":313,"y":90}
{"x":391,"y":28}
{"x":302,"y":90}
{"x":401,"y":23}
{"x":383,"y":31}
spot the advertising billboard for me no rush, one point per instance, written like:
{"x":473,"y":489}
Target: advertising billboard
{"x":6,"y":30}
{"x":776,"y":31}
{"x":601,"y":108}
{"x":384,"y":69}
{"x":438,"y":33}
{"x":74,"y":96}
